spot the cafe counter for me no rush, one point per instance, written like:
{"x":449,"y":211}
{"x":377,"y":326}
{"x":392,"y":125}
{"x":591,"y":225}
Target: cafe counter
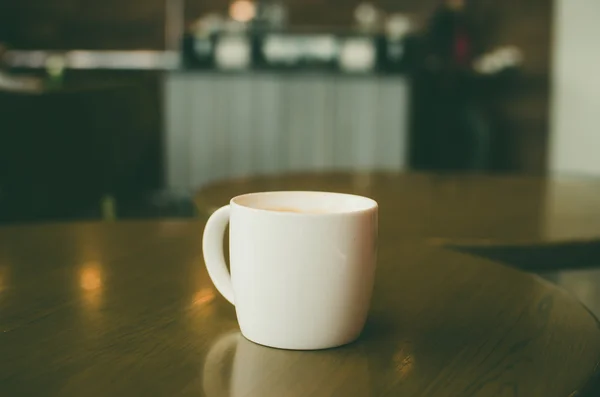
{"x":222,"y":125}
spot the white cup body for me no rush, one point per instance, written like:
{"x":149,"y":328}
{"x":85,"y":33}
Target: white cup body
{"x":302,"y":280}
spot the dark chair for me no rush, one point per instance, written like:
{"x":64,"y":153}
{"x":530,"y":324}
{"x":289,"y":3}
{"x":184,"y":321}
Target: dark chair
{"x":62,"y":151}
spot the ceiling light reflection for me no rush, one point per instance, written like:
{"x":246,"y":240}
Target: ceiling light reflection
{"x":404,"y":360}
{"x":91,"y":282}
{"x":203,"y":297}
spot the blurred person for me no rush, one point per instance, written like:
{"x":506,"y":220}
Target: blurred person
{"x":449,"y":130}
{"x":451,"y":35}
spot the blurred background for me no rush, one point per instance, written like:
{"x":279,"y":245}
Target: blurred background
{"x":144,"y":102}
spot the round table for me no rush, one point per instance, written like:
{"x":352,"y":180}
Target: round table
{"x":127,"y":309}
{"x":535,"y":223}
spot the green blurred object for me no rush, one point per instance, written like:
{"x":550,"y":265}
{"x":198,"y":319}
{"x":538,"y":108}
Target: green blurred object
{"x":55,"y":68}
{"x":108,"y":208}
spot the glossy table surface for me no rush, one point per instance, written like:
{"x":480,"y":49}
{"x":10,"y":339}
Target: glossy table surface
{"x":530,"y":222}
{"x":127,"y":309}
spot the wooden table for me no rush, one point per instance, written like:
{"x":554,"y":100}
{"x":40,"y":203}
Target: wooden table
{"x":533,"y":223}
{"x":127,"y":309}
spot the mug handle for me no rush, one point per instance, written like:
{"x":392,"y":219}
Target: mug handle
{"x":212,"y":247}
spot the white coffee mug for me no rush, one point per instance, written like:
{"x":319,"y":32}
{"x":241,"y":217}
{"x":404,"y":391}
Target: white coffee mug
{"x":302,"y":266}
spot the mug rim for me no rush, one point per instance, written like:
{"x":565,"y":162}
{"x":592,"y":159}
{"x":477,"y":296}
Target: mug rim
{"x":371,"y":205}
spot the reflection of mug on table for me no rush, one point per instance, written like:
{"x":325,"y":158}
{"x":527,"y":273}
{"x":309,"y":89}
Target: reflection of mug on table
{"x":259,"y":371}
